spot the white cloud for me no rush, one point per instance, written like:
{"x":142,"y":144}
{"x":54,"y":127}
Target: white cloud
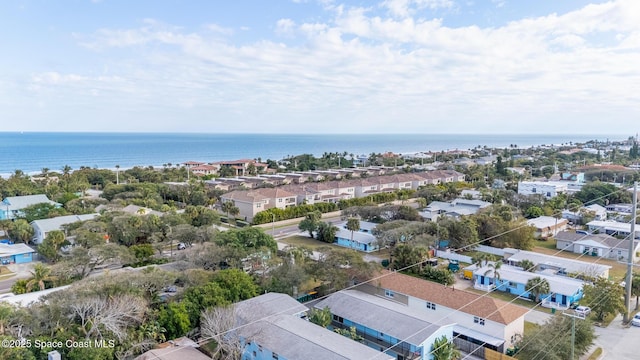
{"x":405,"y":8}
{"x":360,"y":71}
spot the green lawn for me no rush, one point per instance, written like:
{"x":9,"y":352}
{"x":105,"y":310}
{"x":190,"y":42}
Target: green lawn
{"x":529,"y":327}
{"x":547,"y":244}
{"x":305,"y":241}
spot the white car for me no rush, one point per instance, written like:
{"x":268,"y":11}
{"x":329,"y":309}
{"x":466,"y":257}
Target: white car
{"x":583,"y":311}
{"x":636,"y":320}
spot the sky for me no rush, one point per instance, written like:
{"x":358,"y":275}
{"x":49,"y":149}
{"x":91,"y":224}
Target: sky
{"x":321,"y":66}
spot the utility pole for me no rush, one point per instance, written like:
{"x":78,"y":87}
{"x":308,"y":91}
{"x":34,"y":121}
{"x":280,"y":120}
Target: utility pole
{"x":573,"y":332}
{"x":627,"y":300}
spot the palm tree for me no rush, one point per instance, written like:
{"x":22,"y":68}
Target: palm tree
{"x":444,"y":349}
{"x":353,"y":224}
{"x":118,"y":174}
{"x":21,"y":230}
{"x":537,"y":286}
{"x":40,"y":274}
{"x":527,"y":265}
{"x":494,"y":267}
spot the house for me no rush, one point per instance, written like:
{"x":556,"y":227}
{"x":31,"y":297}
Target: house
{"x":598,"y":212}
{"x":600,"y":245}
{"x":272,"y":326}
{"x":242,"y":167}
{"x":620,"y":208}
{"x":454,"y":209}
{"x":547,"y":226}
{"x":15,"y":253}
{"x":547,"y":189}
{"x":361,"y":240}
{"x":12,"y":206}
{"x":251,"y":202}
{"x":42,"y":227}
{"x":177,"y":349}
{"x":393,"y":328}
{"x":564,"y":291}
{"x":203,"y":170}
{"x":614,"y":228}
{"x":555,"y":265}
{"x":490,"y":322}
{"x":139,"y":210}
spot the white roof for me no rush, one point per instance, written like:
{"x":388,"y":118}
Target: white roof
{"x":358,"y":236}
{"x":568,"y":265}
{"x":21,"y":202}
{"x":28,"y":298}
{"x":545,"y":222}
{"x":56,"y":223}
{"x":14,"y":249}
{"x":613,"y":225}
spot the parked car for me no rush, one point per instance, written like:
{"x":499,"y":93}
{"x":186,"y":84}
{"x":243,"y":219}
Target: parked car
{"x":181,"y":246}
{"x":583,"y":310}
{"x":636,"y":320}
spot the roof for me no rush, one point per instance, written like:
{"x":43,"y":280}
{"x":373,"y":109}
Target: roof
{"x":358,"y":236}
{"x":174,"y":353}
{"x":56,"y":223}
{"x":600,"y":240}
{"x":568,"y":265}
{"x":557,"y":284}
{"x":293,"y":338}
{"x":468,"y":302}
{"x":613,"y":225}
{"x":139,"y":210}
{"x":14,"y":249}
{"x":28,"y":298}
{"x":21,"y":202}
{"x":266,"y":305}
{"x":388,"y":317}
{"x":546,"y":222}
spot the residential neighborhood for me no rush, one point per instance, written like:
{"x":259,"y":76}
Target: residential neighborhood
{"x":376,"y":261}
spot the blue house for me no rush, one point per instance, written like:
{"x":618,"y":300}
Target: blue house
{"x":361,"y":240}
{"x":395,"y":329}
{"x":563,"y":290}
{"x":11,"y":207}
{"x":273,"y":326}
{"x":15,"y":253}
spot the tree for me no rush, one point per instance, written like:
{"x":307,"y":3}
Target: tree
{"x":635,"y":288}
{"x":605,"y":297}
{"x":327,"y":232}
{"x":21,"y":230}
{"x":81,"y":261}
{"x":405,"y":256}
{"x":353,"y":224}
{"x":51,"y":245}
{"x":527,"y":265}
{"x":310,"y":222}
{"x":537,"y":287}
{"x":39,"y":275}
{"x":351,"y":333}
{"x":219,"y":324}
{"x":174,"y":317}
{"x":533,"y":212}
{"x":493,"y":268}
{"x":444,"y":349}
{"x":536,"y":344}
{"x":321,"y":317}
{"x":230,"y":208}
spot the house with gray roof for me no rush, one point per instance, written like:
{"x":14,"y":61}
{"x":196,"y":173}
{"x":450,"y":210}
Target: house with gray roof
{"x":272,"y":326}
{"x":555,"y":265}
{"x":454,"y":209}
{"x":361,"y":240}
{"x":399,"y":331}
{"x":600,"y":245}
{"x":42,"y":227}
{"x":12,"y":206}
{"x":15,"y":253}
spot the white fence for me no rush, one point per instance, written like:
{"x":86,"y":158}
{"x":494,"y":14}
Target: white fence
{"x":490,"y":250}
{"x":454,"y":256}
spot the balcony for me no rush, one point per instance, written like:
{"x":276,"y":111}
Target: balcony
{"x":486,"y":288}
{"x":553,"y":305}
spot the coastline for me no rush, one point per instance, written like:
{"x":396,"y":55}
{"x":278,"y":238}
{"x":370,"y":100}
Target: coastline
{"x":31,"y":152}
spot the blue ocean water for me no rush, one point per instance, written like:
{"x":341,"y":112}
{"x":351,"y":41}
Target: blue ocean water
{"x":30,"y":152}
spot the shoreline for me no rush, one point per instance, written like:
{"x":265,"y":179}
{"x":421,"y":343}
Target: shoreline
{"x":240,"y":148}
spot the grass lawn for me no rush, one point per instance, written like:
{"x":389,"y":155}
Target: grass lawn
{"x":529,"y":327}
{"x":547,"y":244}
{"x":313,"y":244}
{"x":5,"y":270}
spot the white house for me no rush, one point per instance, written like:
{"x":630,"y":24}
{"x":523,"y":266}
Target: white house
{"x":614,"y":228}
{"x":490,"y":322}
{"x":547,"y":189}
{"x":555,"y":265}
{"x":600,"y":245}
{"x":12,"y":207}
{"x":547,"y":226}
{"x":42,"y":227}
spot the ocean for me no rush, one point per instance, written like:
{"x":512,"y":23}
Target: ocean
{"x":33,"y":151}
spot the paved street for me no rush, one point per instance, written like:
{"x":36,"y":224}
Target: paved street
{"x":619,"y":342}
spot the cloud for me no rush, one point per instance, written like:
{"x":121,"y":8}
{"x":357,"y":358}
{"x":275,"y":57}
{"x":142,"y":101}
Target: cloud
{"x":361,"y":71}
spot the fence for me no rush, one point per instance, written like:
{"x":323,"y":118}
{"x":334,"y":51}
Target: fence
{"x":490,"y":250}
{"x":454,"y":256}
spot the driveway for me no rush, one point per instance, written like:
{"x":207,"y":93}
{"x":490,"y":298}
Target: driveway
{"x":617,"y":341}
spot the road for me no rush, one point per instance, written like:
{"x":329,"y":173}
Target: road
{"x":617,"y":341}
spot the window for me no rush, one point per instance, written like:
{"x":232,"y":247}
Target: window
{"x":338,"y":318}
{"x":274,"y":356}
{"x":259,"y":205}
{"x":478,"y":320}
{"x":388,"y":293}
{"x":280,"y":200}
{"x":533,"y":190}
{"x":431,"y":305}
{"x":255,"y":354}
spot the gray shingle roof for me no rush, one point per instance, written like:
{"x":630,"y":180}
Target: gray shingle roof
{"x":20,"y":202}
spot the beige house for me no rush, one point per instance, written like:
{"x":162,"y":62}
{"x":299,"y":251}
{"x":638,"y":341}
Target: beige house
{"x":251,"y":202}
